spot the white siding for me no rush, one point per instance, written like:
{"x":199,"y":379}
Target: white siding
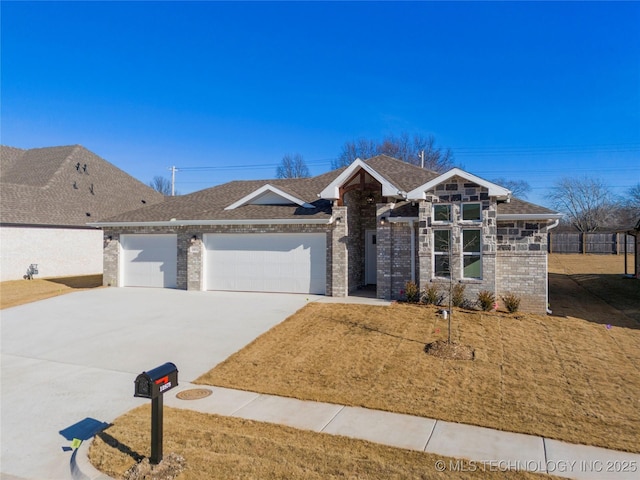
{"x":59,"y":252}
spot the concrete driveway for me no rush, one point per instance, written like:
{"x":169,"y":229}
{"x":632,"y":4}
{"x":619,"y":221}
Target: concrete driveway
{"x":72,"y":360}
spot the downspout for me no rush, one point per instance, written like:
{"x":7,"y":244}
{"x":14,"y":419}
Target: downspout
{"x":550,"y":227}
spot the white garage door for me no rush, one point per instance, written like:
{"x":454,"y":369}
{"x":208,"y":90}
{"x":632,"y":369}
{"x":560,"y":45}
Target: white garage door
{"x":293,"y":263}
{"x":149,"y":260}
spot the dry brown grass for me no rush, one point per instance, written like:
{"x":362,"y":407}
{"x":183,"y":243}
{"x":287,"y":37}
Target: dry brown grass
{"x":562,"y":377}
{"x":557,"y":377}
{"x":226,"y":448}
{"x":601,"y":276}
{"x":19,"y":292}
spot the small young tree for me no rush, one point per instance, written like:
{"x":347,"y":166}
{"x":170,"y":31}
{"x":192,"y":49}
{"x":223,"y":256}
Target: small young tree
{"x":443,"y":266}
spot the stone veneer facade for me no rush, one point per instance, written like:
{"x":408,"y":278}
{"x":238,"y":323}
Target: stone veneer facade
{"x":513,"y":253}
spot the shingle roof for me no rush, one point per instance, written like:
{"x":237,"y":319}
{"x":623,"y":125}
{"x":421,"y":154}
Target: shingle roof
{"x":51,"y":186}
{"x":402,"y":174}
{"x":210,"y":204}
{"x":517,"y":206}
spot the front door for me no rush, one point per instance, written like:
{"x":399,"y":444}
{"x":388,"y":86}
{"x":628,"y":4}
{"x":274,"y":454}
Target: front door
{"x":370,"y":258}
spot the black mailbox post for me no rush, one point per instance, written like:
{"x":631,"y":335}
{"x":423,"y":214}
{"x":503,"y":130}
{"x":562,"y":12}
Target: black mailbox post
{"x":153,"y":384}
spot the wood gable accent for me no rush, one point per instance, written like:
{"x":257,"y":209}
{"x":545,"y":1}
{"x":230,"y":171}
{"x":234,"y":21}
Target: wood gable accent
{"x":360,"y":180}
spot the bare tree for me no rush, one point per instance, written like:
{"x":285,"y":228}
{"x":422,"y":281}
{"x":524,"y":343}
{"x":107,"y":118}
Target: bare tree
{"x":629,"y":206}
{"x":162,"y":185}
{"x":586,"y":201}
{"x":292,"y":166}
{"x":632,"y":198}
{"x":519,"y":188}
{"x":404,"y":147}
{"x":361,"y":148}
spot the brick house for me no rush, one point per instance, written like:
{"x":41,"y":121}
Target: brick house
{"x":377,"y":222}
{"x":47,"y":196}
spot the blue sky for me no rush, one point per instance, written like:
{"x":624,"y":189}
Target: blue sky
{"x":530,"y":91}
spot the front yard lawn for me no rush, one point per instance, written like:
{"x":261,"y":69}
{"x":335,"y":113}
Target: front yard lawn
{"x":216,"y":447}
{"x":19,"y":292}
{"x":562,"y":378}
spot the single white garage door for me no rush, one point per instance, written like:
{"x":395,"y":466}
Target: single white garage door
{"x":293,"y":263}
{"x":149,"y":260}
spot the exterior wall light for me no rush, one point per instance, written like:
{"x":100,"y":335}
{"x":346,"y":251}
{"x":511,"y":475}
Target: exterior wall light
{"x":193,"y":239}
{"x":383,"y":220}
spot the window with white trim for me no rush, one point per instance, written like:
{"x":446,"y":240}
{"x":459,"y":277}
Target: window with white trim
{"x":441,"y":249}
{"x":441,"y":213}
{"x":471,"y":253}
{"x":471,"y":212}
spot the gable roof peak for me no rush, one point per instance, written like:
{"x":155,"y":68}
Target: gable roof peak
{"x":332,"y":191}
{"x":495,"y":190}
{"x":268,"y":194}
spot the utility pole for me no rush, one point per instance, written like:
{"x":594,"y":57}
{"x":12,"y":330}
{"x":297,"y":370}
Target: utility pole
{"x":173,"y":180}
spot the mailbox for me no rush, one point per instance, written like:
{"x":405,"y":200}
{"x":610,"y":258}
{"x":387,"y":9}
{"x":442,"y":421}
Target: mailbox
{"x":155,"y":382}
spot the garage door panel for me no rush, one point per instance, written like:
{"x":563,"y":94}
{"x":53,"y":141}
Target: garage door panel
{"x":149,"y":260}
{"x":266,"y":263}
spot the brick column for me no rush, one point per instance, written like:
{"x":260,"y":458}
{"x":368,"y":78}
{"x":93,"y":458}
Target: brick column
{"x":194,"y":263}
{"x":110,"y":259}
{"x":337,"y":276}
{"x":383,"y":250}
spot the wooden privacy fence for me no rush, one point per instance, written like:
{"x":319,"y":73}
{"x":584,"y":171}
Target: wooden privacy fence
{"x":611,"y":243}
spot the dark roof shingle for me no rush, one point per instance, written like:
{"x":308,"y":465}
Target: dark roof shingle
{"x":210,"y":204}
{"x":51,"y":186}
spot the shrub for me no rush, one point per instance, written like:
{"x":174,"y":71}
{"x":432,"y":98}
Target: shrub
{"x":457,"y":295}
{"x":433,"y":295}
{"x":486,"y":299}
{"x":411,"y":292}
{"x":511,"y":301}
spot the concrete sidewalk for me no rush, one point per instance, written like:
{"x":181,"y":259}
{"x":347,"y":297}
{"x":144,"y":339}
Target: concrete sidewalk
{"x":489,"y":449}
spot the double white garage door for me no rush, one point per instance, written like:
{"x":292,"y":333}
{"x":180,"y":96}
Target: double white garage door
{"x":294,"y":263}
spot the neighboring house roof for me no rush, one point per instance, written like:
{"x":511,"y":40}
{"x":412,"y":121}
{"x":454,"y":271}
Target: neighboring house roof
{"x":300,"y":200}
{"x":65,"y":186}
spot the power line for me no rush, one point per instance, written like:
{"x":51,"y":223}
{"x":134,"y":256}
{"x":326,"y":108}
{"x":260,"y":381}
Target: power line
{"x":619,"y":147}
{"x":247,"y":166}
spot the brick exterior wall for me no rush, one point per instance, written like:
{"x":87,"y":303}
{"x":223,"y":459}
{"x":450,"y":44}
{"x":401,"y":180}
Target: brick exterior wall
{"x":190,"y":254}
{"x":513,"y":253}
{"x":522,"y":262}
